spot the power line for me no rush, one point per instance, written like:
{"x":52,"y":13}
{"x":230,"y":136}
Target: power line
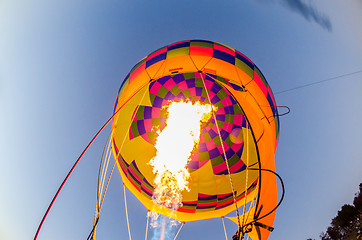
{"x":318,"y":82}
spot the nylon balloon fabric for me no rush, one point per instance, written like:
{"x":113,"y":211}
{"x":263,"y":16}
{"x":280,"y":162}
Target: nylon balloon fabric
{"x":241,"y":132}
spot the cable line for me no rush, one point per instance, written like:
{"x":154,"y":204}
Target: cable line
{"x":318,"y":82}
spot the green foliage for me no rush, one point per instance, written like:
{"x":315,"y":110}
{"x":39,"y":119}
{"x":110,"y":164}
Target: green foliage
{"x":345,"y":216}
{"x":347,"y":224}
{"x":357,"y":202}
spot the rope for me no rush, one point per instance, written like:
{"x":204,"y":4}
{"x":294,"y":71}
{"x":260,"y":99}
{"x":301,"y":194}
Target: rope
{"x":255,"y":221}
{"x":91,"y":234}
{"x":100,"y":170}
{"x":318,"y":82}
{"x":125,"y":204}
{"x":105,"y":165}
{"x":223,"y":224}
{"x":125,"y":136}
{"x":101,"y":176}
{"x":99,"y":204}
{"x":71,"y":170}
{"x":179,"y":231}
{"x":81,"y":155}
{"x":109,"y":178}
{"x":119,"y":152}
{"x":222,"y":146}
{"x":97,"y":208}
{"x":246,"y":172}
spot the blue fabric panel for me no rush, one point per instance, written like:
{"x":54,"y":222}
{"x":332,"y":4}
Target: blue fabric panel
{"x":156,"y":59}
{"x":224,"y":56}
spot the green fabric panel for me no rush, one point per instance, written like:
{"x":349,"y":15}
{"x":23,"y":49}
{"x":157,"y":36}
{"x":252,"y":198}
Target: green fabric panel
{"x":219,"y":104}
{"x":189,"y":76}
{"x":222,"y":94}
{"x":175,"y":90}
{"x":207,"y":137}
{"x":186,"y":93}
{"x":203,"y":156}
{"x":140,"y":113}
{"x":135,"y":129}
{"x":244,"y":67}
{"x":224,"y":200}
{"x":237,"y":109}
{"x":201,"y":44}
{"x":152,"y":97}
{"x":204,"y":94}
{"x":146,"y":195}
{"x":149,"y":187}
{"x":189,"y":207}
{"x":233,"y":160}
{"x":199,"y":83}
{"x":162,"y":92}
{"x":220,"y":124}
{"x":205,"y":209}
{"x":217,"y":161}
{"x":123,"y":162}
{"x":229,"y":142}
{"x":216,"y":140}
{"x":223,"y":80}
{"x":178,"y":52}
{"x":137,"y":172}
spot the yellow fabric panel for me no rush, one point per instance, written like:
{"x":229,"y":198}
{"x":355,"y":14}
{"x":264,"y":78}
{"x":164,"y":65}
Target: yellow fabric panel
{"x":242,"y":76}
{"x":246,"y":217}
{"x":156,"y":70}
{"x":122,"y":122}
{"x":132,"y":87}
{"x":137,"y":71}
{"x":245,"y":69}
{"x":200,"y":61}
{"x":223,"y":69}
{"x":203,"y":180}
{"x":179,"y":65}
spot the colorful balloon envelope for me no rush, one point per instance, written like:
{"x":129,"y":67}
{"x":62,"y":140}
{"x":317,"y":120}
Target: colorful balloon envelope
{"x":235,"y":141}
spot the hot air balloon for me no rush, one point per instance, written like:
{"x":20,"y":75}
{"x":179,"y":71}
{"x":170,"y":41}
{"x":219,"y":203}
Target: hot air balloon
{"x":228,"y":162}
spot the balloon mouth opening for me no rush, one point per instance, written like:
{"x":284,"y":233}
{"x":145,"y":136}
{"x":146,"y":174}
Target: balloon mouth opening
{"x":174,"y":145}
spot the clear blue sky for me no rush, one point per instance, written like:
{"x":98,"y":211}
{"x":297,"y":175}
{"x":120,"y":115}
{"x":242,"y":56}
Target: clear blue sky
{"x":62,"y":62}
